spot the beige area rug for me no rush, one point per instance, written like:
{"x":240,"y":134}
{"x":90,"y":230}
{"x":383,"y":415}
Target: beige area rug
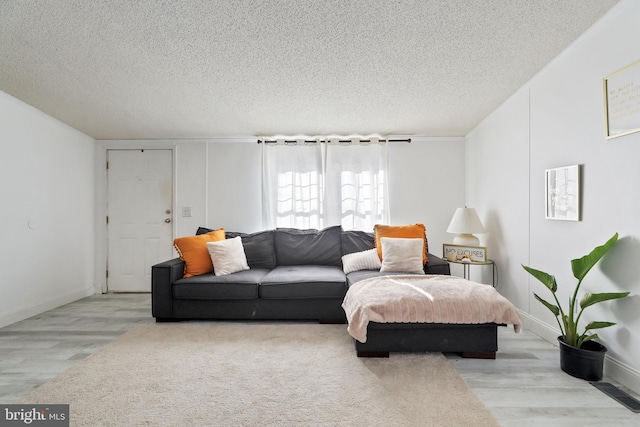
{"x":257,"y":374}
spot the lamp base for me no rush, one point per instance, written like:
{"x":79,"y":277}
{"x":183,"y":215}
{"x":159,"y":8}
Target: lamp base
{"x":466,"y":240}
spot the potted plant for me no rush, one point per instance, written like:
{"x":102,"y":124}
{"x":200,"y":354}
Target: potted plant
{"x":580,"y":355}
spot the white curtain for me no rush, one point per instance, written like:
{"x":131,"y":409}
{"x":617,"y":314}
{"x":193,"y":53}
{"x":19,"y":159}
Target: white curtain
{"x":356,"y":185}
{"x":292,"y":185}
{"x":323,"y":184}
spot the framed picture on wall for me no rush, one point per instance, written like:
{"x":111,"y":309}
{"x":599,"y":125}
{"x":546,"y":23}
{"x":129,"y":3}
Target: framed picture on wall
{"x":622,"y":101}
{"x":562,"y":193}
{"x":458,"y":253}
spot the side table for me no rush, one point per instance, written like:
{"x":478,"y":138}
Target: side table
{"x":467,"y":265}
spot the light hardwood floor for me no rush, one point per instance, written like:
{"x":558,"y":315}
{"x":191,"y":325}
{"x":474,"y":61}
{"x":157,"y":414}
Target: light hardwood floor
{"x":522,"y":387}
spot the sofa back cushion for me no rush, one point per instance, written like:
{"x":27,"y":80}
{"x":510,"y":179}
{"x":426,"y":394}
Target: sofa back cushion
{"x":402,"y":231}
{"x":309,"y":247}
{"x":259,"y":247}
{"x":356,"y":241}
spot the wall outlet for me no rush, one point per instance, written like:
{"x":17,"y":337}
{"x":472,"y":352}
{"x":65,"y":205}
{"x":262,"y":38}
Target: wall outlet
{"x":186,"y":211}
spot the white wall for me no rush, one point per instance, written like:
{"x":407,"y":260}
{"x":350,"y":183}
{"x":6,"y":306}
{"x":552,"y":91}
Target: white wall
{"x":47,"y":183}
{"x":426,"y":185}
{"x":557,"y":119}
{"x":234,"y":181}
{"x":497,"y":185}
{"x":417,"y":189}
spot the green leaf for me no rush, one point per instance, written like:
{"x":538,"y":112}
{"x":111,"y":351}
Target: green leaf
{"x":581,"y":266}
{"x":590,"y":299}
{"x":554,"y":308}
{"x":568,"y":325}
{"x":570,"y":330}
{"x":584,"y":338}
{"x":547,"y":279}
{"x":598,"y":325}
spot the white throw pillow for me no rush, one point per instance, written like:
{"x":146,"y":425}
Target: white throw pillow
{"x":227,"y":256}
{"x":402,"y":255}
{"x":365,"y":260}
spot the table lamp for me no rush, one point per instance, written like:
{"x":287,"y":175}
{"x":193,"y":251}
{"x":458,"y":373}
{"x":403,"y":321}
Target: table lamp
{"x":465,"y":222}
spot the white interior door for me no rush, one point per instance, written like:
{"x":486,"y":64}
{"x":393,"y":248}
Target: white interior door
{"x":139,"y":229}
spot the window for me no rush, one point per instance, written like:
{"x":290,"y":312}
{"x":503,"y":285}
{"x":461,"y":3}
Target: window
{"x":321,"y":184}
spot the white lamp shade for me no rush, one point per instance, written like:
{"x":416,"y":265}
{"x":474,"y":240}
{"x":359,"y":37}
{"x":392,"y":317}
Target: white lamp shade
{"x":465,"y":222}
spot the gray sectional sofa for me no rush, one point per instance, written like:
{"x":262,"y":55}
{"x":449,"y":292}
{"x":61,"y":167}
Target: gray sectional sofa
{"x":294,"y":275}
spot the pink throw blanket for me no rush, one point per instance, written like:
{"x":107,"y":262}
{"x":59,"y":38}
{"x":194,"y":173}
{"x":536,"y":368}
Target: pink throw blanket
{"x":424,"y":299}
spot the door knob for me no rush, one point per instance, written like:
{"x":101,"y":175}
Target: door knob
{"x":168,"y":220}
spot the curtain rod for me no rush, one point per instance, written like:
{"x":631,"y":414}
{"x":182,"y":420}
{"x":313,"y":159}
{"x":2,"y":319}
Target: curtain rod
{"x":323,"y":141}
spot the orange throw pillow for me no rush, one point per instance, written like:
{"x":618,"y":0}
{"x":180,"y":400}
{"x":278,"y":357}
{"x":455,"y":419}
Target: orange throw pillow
{"x":193,"y":251}
{"x":403,"y":231}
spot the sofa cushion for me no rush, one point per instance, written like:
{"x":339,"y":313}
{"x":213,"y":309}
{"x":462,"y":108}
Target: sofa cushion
{"x":193,"y":251}
{"x":437,"y":265}
{"x":241,"y":285}
{"x":357,"y":276}
{"x":402,"y":255}
{"x":203,"y":230}
{"x":402,"y":231}
{"x":303,"y":282}
{"x":363,"y":260}
{"x":356,"y":241}
{"x":258,"y":247}
{"x":227,"y":256}
{"x":309,"y":247}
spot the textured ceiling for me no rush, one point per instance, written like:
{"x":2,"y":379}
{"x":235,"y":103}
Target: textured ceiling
{"x":124,"y":69}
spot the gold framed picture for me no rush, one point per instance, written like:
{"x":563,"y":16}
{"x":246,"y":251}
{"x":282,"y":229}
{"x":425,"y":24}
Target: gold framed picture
{"x":622,"y":101}
{"x":459,"y":253}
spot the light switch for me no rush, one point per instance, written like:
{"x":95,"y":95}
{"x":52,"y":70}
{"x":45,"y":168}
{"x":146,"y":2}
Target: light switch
{"x":186,"y":211}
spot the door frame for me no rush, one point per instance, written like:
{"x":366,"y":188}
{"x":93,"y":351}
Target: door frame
{"x":101,"y":208}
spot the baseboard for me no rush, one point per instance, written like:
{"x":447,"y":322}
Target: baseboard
{"x":30,"y":310}
{"x":622,"y":373}
{"x":539,"y":328}
{"x":613,"y":368}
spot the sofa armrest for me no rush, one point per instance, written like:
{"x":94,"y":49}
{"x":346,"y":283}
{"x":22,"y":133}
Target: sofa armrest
{"x":162,"y":277}
{"x":436,"y":265}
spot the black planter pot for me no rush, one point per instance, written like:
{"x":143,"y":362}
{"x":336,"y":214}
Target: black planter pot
{"x":585,"y":363}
